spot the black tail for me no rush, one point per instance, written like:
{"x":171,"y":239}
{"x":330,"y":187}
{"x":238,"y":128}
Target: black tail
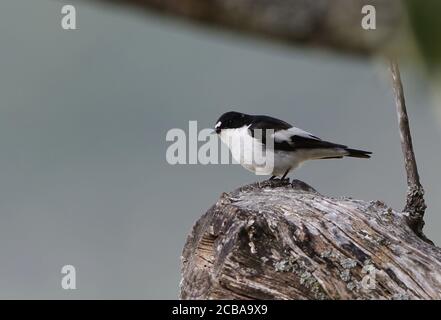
{"x":358,"y":153}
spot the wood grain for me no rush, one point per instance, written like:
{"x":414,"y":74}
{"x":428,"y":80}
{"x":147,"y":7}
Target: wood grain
{"x":274,"y":240}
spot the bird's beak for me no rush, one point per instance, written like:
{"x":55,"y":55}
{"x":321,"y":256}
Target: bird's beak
{"x":215,"y":131}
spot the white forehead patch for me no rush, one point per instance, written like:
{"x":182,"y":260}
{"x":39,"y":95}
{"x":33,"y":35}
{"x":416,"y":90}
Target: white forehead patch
{"x":218,"y":124}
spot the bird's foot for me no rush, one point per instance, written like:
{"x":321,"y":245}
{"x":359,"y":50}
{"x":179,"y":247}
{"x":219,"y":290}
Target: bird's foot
{"x":275,"y":182}
{"x":274,"y":178}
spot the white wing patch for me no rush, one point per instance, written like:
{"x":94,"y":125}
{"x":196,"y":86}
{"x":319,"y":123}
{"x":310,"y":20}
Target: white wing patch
{"x":286,"y":135}
{"x":218,"y":124}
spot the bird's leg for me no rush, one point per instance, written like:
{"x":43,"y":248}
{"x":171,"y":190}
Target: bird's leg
{"x":272,"y":178}
{"x":284,"y":175}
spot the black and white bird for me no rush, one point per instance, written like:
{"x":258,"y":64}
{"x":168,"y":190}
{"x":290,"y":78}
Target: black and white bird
{"x":289,"y":146}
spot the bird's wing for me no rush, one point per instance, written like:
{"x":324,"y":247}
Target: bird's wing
{"x":286,"y":137}
{"x":258,"y":128}
{"x":265,"y":122}
{"x":294,"y":138}
{"x":293,"y":132}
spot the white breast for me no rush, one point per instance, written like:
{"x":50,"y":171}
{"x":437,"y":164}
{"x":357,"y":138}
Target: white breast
{"x":241,"y":145}
{"x":251,"y":153}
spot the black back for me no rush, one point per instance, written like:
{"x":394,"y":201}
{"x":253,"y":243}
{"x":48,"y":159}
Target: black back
{"x":233,"y":119}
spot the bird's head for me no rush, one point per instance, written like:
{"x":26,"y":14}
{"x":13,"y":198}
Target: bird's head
{"x":231,"y":120}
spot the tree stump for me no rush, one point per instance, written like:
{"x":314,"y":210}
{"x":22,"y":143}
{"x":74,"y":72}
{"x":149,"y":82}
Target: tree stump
{"x":277,"y":240}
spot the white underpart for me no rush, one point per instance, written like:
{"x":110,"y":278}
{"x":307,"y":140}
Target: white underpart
{"x":244,"y":149}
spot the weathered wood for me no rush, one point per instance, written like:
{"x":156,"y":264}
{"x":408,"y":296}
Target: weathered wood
{"x":415,"y":204}
{"x":334,"y":24}
{"x":274,"y":240}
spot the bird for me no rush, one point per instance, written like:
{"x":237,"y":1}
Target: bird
{"x":247,"y":135}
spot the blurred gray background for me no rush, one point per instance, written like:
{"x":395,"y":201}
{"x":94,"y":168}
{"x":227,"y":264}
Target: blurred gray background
{"x":83,"y":119}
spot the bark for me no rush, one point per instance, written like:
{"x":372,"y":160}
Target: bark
{"x":415,"y":204}
{"x":274,"y":240}
{"x":334,"y":24}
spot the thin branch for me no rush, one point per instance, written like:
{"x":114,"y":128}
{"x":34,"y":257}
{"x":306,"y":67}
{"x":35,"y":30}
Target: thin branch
{"x":415,"y":204}
{"x":413,"y":178}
